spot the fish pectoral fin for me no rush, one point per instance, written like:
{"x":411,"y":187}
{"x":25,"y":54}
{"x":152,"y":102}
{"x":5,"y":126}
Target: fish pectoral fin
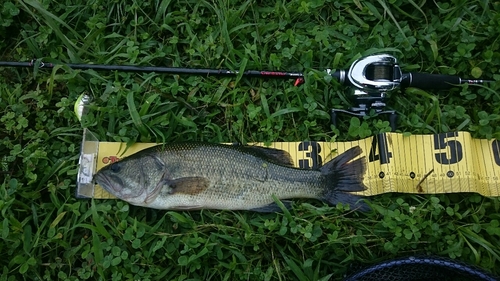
{"x":273,"y":207}
{"x":189,"y":185}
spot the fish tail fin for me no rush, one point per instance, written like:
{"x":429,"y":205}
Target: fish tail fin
{"x":344,"y":176}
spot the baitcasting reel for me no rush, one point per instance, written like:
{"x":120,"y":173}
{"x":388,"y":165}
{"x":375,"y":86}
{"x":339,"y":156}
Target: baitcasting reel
{"x":373,"y":77}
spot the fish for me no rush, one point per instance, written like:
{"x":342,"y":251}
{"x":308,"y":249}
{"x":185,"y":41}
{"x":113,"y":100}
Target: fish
{"x":199,"y":175}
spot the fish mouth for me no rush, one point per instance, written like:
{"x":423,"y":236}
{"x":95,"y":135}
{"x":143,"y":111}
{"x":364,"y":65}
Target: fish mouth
{"x":112,"y":186}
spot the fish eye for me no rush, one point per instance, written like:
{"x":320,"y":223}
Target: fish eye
{"x":115,"y":167}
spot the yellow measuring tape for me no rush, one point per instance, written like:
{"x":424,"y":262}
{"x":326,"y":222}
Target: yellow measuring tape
{"x":427,"y":164}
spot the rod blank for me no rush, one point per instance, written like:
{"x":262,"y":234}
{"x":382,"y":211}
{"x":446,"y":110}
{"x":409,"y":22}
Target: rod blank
{"x":167,"y":70}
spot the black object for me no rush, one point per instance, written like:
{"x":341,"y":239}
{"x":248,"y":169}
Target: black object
{"x":168,"y":70}
{"x":421,"y":269}
{"x":426,"y":81}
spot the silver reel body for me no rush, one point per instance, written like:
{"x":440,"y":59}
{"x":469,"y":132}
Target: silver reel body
{"x":372,"y":78}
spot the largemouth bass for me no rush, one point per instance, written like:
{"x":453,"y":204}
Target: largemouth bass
{"x":190,"y":176}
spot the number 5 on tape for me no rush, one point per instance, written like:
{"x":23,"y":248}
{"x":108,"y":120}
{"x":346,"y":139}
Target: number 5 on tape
{"x":443,"y":141}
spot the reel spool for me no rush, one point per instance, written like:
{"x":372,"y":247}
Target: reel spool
{"x":373,"y":77}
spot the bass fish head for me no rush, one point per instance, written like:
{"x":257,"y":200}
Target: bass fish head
{"x":136,"y":180}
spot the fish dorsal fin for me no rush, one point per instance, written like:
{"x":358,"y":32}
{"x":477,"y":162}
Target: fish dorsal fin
{"x":274,"y":155}
{"x":189,"y":185}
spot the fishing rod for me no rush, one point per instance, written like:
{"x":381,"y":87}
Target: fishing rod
{"x":367,"y":72}
{"x":298,"y":76}
{"x":372,"y":78}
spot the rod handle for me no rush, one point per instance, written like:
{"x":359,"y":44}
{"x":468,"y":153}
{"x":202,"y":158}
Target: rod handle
{"x":426,"y":81}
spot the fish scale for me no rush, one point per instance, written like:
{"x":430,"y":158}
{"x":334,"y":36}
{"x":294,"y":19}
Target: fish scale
{"x":257,"y":178}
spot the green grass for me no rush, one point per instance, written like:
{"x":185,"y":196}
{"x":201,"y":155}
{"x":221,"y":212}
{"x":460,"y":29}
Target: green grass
{"x":48,"y":234}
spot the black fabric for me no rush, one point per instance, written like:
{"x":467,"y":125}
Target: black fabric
{"x":421,"y":269}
